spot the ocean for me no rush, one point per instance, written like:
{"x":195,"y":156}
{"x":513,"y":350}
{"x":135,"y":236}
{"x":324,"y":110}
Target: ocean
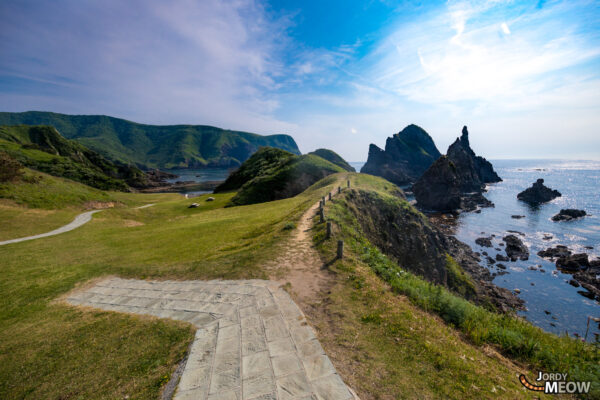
{"x":552,"y":303}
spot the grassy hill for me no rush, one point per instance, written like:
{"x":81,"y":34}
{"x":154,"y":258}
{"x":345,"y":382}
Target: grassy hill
{"x":382,"y":342}
{"x":42,"y":148}
{"x":334,"y":158}
{"x":272,"y":174}
{"x":152,"y":146}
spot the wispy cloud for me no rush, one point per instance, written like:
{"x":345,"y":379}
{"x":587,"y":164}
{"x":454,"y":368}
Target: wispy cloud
{"x":187,"y":61}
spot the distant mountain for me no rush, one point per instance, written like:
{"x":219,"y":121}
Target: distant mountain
{"x":42,"y":148}
{"x":455,"y":180}
{"x":334,"y":158}
{"x":273,"y":174}
{"x":406,"y":156}
{"x":153,"y":146}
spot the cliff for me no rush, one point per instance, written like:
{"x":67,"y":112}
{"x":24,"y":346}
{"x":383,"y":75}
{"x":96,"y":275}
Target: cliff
{"x":406,"y":156}
{"x":455,"y":180}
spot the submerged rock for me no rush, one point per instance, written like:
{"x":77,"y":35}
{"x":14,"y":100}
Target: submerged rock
{"x":555,"y":252}
{"x":567,"y":214}
{"x":538,"y":193}
{"x":406,"y":157}
{"x":573,"y":262}
{"x":484,"y":242}
{"x":515,"y":248}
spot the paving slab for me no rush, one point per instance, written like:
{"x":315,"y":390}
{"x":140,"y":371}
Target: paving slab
{"x":252,"y":341}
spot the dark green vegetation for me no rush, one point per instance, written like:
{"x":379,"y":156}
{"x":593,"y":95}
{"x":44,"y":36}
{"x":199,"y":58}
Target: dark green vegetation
{"x":42,"y":148}
{"x":334,"y":158}
{"x":512,"y":336}
{"x":151,"y":146}
{"x":272,"y":174}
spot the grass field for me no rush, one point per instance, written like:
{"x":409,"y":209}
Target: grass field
{"x":384,"y":344}
{"x":50,"y":351}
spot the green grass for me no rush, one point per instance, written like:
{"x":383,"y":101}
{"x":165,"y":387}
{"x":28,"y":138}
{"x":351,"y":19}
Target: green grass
{"x":272,"y":174}
{"x":39,"y":203}
{"x":49,"y":350}
{"x":174,"y":146}
{"x":512,"y":336}
{"x":42,"y":148}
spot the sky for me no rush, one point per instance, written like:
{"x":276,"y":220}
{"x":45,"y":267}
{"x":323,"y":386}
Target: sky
{"x":524,"y":76}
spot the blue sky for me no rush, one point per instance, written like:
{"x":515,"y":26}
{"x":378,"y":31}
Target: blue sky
{"x":524,"y":76}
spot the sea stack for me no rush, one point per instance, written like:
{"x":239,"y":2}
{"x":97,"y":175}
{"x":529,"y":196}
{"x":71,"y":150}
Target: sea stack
{"x":406,"y":156}
{"x":538,"y":193}
{"x":445,"y":185}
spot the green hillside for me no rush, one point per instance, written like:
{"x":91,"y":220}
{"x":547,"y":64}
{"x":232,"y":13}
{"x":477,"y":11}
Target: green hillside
{"x":42,"y":148}
{"x":333,"y":157}
{"x":152,"y":146}
{"x":272,"y":174}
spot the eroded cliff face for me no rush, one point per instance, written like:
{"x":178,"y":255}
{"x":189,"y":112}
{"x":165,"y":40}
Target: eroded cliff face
{"x":444,"y":186}
{"x":406,"y":156}
{"x":403,"y":233}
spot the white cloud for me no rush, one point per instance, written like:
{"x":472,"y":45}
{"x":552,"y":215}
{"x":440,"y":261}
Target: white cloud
{"x":505,"y":29}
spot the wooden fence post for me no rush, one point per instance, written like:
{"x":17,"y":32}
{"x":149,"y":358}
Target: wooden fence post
{"x":328,"y":229}
{"x":339,"y":189}
{"x":329,"y":196}
{"x":340,"y":249}
{"x":348,"y":182}
{"x":322,"y":215}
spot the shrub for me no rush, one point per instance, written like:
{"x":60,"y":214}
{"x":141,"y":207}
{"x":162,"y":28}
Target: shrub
{"x":10,"y":169}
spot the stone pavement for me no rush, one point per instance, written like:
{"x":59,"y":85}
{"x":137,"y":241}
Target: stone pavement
{"x":252,"y":341}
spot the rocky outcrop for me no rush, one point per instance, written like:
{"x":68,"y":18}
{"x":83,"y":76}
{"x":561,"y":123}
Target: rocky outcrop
{"x":456,"y":180}
{"x":586,"y":272}
{"x":402,"y":232}
{"x":406,"y":156}
{"x":538,"y":193}
{"x":515,"y":248}
{"x":568,"y":214}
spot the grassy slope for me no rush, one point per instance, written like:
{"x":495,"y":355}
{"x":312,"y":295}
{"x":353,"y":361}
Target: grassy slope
{"x":399,"y":348}
{"x":39,"y":203}
{"x":49,"y":350}
{"x":334,"y":158}
{"x":290,"y":178}
{"x":42,"y":148}
{"x":154,"y":146}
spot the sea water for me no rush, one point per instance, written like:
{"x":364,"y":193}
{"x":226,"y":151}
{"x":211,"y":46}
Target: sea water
{"x":579,"y":183}
{"x":551,"y":299}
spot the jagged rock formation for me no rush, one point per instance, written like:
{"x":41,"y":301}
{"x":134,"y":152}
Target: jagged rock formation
{"x":538,"y":193}
{"x":406,"y":156}
{"x":402,"y":232}
{"x":443,"y":187}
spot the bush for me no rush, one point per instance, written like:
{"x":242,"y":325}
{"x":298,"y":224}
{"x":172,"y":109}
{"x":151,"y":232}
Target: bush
{"x":10,"y":169}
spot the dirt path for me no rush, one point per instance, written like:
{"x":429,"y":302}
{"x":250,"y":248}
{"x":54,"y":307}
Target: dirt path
{"x":301,"y":265}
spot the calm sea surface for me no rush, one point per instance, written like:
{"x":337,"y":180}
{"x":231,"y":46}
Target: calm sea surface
{"x":579,"y":183}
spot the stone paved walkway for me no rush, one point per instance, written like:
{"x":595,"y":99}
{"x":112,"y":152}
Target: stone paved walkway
{"x":252,"y":341}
